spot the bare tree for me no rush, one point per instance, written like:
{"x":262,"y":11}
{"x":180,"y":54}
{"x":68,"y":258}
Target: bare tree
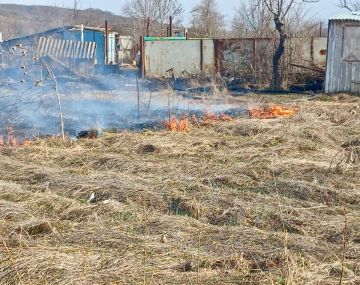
{"x":351,"y":5}
{"x":252,"y":19}
{"x":280,"y":9}
{"x":207,"y":20}
{"x":76,"y":11}
{"x":141,"y":11}
{"x":167,"y":8}
{"x":148,"y":12}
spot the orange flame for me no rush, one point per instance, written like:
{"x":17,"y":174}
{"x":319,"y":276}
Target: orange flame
{"x":210,"y":118}
{"x":175,"y":125}
{"x":11,"y":139}
{"x":272,"y":111}
{"x":183,"y":125}
{"x":26,"y":143}
{"x":226,"y":118}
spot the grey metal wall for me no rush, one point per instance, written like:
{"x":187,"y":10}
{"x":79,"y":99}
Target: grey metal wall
{"x":342,"y":75}
{"x":126,"y":49}
{"x":190,"y":56}
{"x":251,"y":58}
{"x":319,"y":50}
{"x":112,"y":51}
{"x":245,"y":57}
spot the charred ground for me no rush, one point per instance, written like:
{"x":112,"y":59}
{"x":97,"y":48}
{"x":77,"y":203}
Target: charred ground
{"x":242,"y":202}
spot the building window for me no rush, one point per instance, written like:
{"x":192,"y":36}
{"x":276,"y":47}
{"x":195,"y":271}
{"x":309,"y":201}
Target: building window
{"x":351,"y":44}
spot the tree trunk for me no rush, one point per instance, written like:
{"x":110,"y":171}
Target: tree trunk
{"x":277,"y":75}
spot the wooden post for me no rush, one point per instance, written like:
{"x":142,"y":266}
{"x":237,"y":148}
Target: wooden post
{"x":171,"y":27}
{"x":135,"y":50}
{"x":312,"y":50}
{"x":320,"y":29}
{"x":106,"y":43}
{"x":138,"y":96}
{"x":169,"y":109}
{"x":142,"y":58}
{"x":148,"y":26}
{"x":201,"y":55}
{"x":254,"y":57}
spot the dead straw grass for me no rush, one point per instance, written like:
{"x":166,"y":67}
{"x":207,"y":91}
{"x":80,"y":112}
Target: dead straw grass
{"x":243,"y":202}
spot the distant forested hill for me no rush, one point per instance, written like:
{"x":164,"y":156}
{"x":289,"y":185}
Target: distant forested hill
{"x":19,"y":20}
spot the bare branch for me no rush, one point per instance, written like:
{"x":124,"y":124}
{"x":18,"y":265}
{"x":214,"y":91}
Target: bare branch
{"x":280,"y":9}
{"x":350,"y":5}
{"x":207,"y":20}
{"x":158,"y":11}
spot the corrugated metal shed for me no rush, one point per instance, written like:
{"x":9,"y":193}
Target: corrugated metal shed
{"x":343,"y":60}
{"x":76,"y":34}
{"x":348,"y":16}
{"x":93,"y":34}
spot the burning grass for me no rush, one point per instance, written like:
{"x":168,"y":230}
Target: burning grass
{"x":178,"y":125}
{"x":185,"y":124}
{"x":272,"y":111}
{"x":243,"y":201}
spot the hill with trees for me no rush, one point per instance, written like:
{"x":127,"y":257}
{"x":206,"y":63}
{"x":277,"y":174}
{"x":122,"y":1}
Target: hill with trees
{"x":19,"y":20}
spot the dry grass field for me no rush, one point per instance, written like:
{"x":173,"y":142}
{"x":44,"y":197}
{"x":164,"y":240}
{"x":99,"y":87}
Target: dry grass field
{"x":244,"y":202}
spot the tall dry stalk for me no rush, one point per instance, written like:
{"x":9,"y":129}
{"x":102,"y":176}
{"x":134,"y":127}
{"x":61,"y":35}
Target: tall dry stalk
{"x":148,"y":105}
{"x":58,"y":98}
{"x":344,"y":236}
{"x":18,"y":275}
{"x":198,"y":261}
{"x":145,"y":254}
{"x":169,"y":104}
{"x":138,"y":96}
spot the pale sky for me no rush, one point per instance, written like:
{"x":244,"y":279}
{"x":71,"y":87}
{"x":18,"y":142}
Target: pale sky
{"x":321,"y":10}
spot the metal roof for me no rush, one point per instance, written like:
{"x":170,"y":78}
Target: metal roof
{"x":348,"y":16}
{"x":59,"y":29}
{"x":66,"y":48}
{"x":88,"y":28}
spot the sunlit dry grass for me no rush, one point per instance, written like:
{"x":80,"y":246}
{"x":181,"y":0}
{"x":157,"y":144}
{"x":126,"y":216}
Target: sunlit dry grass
{"x":241,"y":202}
